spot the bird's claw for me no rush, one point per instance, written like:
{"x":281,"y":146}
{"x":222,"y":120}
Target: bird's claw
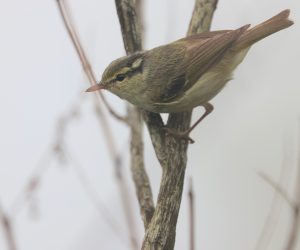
{"x":180,"y":135}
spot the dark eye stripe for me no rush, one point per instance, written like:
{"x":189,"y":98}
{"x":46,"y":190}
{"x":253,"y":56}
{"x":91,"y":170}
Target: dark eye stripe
{"x":120,"y":77}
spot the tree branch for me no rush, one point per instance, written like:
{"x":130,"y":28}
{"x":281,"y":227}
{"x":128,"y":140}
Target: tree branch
{"x":107,"y":132}
{"x":82,"y":56}
{"x":130,"y":26}
{"x":155,"y":126}
{"x":294,"y":204}
{"x":7,"y":229}
{"x":131,"y":33}
{"x":295,"y":226}
{"x":281,"y":191}
{"x":139,"y":174}
{"x":192,"y":215}
{"x":171,"y":152}
{"x":162,"y":229}
{"x":202,"y":16}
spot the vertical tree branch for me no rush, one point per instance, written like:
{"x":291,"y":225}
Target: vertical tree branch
{"x":162,"y":229}
{"x":7,"y":229}
{"x":155,"y":126}
{"x":294,"y":204}
{"x":131,"y":33}
{"x":139,"y":174}
{"x":202,"y":16}
{"x":171,"y":152}
{"x":294,"y":230}
{"x":130,"y":25}
{"x":192,"y":215}
{"x":295,"y":227}
{"x":139,"y":7}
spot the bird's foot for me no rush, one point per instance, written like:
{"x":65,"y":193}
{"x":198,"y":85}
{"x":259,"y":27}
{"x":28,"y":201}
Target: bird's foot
{"x":180,"y":135}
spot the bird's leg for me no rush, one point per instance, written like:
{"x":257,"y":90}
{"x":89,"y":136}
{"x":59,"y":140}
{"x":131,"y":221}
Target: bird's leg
{"x":208,"y":109}
{"x":185,"y":134}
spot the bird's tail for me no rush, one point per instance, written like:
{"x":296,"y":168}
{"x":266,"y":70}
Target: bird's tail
{"x":260,"y":31}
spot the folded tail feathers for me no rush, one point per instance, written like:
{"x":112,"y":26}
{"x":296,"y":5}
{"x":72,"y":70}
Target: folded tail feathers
{"x":260,"y":31}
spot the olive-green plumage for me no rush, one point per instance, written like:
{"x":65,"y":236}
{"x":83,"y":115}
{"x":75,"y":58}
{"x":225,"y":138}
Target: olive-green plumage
{"x":186,"y":73}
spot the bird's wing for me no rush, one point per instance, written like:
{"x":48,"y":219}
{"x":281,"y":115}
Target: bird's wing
{"x":202,"y":52}
{"x":200,"y":57}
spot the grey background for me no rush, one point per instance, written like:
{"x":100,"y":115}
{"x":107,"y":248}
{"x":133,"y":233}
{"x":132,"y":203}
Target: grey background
{"x":254,"y":127}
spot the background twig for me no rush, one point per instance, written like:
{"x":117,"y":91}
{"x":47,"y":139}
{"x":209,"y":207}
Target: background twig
{"x":192,"y":215}
{"x":295,"y":226}
{"x":59,"y":151}
{"x":64,"y":11}
{"x":7,"y":229}
{"x":107,"y":132}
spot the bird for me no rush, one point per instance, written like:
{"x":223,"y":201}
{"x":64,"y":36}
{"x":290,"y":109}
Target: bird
{"x":186,"y":73}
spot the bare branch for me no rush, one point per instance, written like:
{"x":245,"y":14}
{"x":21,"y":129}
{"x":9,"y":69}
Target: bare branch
{"x":155,"y":126}
{"x":162,"y":229}
{"x":192,"y":215}
{"x":64,"y":11}
{"x":59,"y":151}
{"x":171,"y":153}
{"x":139,"y":6}
{"x":7,"y":229}
{"x":107,"y":132}
{"x":123,"y":188}
{"x":43,"y":164}
{"x":202,"y":16}
{"x":131,"y":33}
{"x":294,"y":204}
{"x":130,"y":26}
{"x":278,"y":189}
{"x":32,"y":183}
{"x":92,"y":195}
{"x":140,"y":177}
{"x":272,"y":219}
{"x":295,"y":227}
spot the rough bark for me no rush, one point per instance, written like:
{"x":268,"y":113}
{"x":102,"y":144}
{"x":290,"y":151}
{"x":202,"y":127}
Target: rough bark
{"x":161,"y":232}
{"x":171,"y":152}
{"x":131,"y":33}
{"x":139,"y":174}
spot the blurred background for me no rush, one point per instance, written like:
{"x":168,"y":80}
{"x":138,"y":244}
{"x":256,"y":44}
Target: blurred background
{"x":57,"y":183}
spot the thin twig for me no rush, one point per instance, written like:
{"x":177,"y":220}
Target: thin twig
{"x":294,"y":204}
{"x":295,"y":226}
{"x":90,"y":192}
{"x":7,"y":229}
{"x":272,"y":218}
{"x":59,"y":151}
{"x":124,"y":195}
{"x":64,"y":11}
{"x":107,"y":132}
{"x":278,"y":189}
{"x":131,"y":33}
{"x":192,"y":215}
{"x":32,"y":183}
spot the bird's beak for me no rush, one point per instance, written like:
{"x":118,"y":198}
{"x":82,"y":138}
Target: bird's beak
{"x":95,"y":87}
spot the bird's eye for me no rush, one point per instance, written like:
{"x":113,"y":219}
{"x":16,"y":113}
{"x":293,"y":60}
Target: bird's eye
{"x":120,"y":77}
